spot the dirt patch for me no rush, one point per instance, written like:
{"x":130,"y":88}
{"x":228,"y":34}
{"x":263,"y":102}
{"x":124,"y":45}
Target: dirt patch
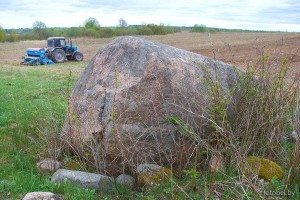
{"x":244,"y":54}
{"x":13,"y":125}
{"x":236,"y":48}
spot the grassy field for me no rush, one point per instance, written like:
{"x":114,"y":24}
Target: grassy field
{"x":32,"y":103}
{"x":33,"y":100}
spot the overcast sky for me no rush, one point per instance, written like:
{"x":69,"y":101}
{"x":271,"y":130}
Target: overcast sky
{"x":283,"y":15}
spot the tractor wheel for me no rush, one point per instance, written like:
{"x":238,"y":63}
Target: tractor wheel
{"x":58,"y":56}
{"x":78,"y":56}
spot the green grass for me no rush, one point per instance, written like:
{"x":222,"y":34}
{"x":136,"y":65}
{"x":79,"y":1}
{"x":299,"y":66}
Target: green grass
{"x":33,"y":102}
{"x":29,"y":98}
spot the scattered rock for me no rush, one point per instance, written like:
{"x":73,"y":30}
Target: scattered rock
{"x":150,"y":175}
{"x":13,"y":125}
{"x":295,"y":136}
{"x":290,"y":136}
{"x":127,"y":91}
{"x":48,"y":165}
{"x":264,"y":168}
{"x":42,"y":196}
{"x":84,"y":179}
{"x":262,"y":185}
{"x":216,"y":164}
{"x":125,"y":179}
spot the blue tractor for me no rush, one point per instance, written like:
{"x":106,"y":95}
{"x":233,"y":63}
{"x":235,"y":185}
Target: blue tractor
{"x":57,"y":51}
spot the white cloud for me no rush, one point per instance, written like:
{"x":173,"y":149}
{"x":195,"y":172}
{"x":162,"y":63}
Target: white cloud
{"x":246,"y":14}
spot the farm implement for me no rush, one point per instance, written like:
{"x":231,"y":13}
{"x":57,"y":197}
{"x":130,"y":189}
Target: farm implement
{"x":57,"y":51}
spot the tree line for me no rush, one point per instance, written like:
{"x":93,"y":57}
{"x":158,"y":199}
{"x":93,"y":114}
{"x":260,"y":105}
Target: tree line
{"x":90,"y":28}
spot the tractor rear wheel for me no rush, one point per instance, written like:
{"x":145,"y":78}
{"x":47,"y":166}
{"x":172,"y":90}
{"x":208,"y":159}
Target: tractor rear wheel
{"x":58,"y":56}
{"x":78,"y":56}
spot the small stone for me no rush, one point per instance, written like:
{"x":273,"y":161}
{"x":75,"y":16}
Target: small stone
{"x":295,"y":136}
{"x":150,"y":175}
{"x":216,"y":164}
{"x":48,"y":165}
{"x":125,"y":179}
{"x":84,"y":179}
{"x":42,"y":196}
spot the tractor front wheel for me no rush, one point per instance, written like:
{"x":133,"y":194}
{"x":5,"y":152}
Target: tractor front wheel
{"x":58,"y":56}
{"x":78,"y":56}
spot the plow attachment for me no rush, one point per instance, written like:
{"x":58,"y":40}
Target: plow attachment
{"x":36,"y":56}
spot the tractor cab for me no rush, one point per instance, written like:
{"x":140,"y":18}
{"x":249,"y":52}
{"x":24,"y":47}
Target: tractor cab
{"x":59,"y":50}
{"x":56,"y":42}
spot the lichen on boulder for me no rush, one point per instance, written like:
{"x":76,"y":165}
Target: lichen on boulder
{"x":264,"y":168}
{"x":73,"y":165}
{"x":152,"y":176}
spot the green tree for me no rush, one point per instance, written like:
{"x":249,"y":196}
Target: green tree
{"x":2,"y":35}
{"x":91,"y":23}
{"x":13,"y":36}
{"x":40,"y":29}
{"x":145,"y":30}
{"x":74,"y":32}
{"x":107,"y":32}
{"x":122,"y":23}
{"x":199,"y":28}
{"x":91,"y":33}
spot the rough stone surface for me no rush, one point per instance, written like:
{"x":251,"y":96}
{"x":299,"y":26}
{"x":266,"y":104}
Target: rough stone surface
{"x":123,"y":97}
{"x":150,"y":175}
{"x":84,"y":179}
{"x":125,"y":179}
{"x":264,"y":168}
{"x":41,"y":196}
{"x":48,"y":165}
{"x":216,"y":164}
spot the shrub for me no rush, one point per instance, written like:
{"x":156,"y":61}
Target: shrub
{"x":91,"y":33}
{"x":2,"y":35}
{"x":12,"y":37}
{"x":27,"y":36}
{"x":248,"y":120}
{"x":157,"y":29}
{"x":199,"y":28}
{"x":74,"y":32}
{"x":106,"y":32}
{"x":145,"y":30}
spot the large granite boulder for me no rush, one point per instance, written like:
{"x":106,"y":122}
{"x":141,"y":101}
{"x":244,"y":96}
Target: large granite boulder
{"x":124,"y":96}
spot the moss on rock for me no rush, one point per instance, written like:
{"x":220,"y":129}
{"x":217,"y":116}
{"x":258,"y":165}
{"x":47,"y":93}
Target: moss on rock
{"x":264,"y":168}
{"x":73,"y":165}
{"x":151,"y":177}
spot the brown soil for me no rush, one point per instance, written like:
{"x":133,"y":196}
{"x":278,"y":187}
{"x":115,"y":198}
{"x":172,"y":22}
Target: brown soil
{"x":240,"y":49}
